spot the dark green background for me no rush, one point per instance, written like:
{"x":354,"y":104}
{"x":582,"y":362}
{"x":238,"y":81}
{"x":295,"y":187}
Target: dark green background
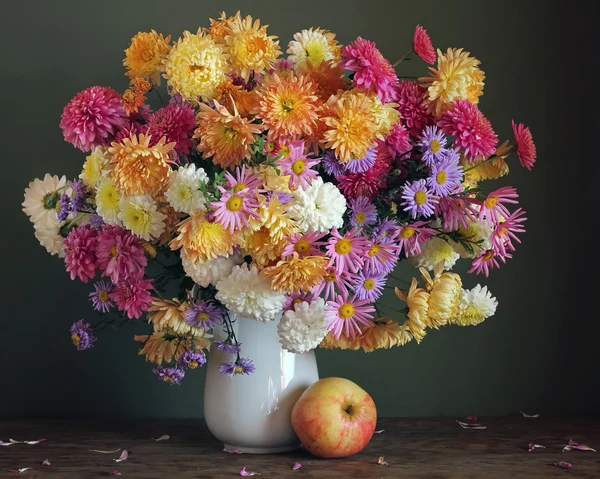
{"x":538,"y":354}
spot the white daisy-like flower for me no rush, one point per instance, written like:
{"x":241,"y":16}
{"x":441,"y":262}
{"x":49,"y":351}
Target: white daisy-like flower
{"x":51,"y":239}
{"x":433,"y":251}
{"x":309,"y":46}
{"x":247,"y":293}
{"x":42,"y":201}
{"x":475,"y":306}
{"x":94,"y":167}
{"x":209,"y":272}
{"x":476,"y":231}
{"x":319,"y":207}
{"x":108,"y":202}
{"x":303,"y":328}
{"x":184,"y":193}
{"x":140,"y":216}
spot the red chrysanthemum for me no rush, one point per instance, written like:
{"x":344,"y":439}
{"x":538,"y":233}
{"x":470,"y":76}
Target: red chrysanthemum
{"x":472,"y":130}
{"x":367,"y":183}
{"x":526,"y":151}
{"x":80,"y":250}
{"x":176,"y":123}
{"x":412,"y":110}
{"x":422,"y":45}
{"x":92,"y":117}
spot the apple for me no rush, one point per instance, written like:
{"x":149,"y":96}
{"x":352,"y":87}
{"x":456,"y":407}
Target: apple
{"x":334,"y":417}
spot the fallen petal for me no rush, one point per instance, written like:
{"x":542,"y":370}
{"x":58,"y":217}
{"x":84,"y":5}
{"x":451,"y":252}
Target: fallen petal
{"x":471,"y":417}
{"x":104,"y":452}
{"x":233,"y":451}
{"x":23,"y":469}
{"x":533,"y":447}
{"x":46,"y":463}
{"x":563,"y":464}
{"x":296,"y":466}
{"x":579,"y":447}
{"x":122,"y":457}
{"x":468,"y":425}
{"x":2,"y":443}
{"x":165,"y":437}
{"x":245,"y":473}
{"x":114,"y":473}
{"x":378,"y":432}
{"x":530,"y":415}
{"x":34,"y":442}
{"x":381,"y":461}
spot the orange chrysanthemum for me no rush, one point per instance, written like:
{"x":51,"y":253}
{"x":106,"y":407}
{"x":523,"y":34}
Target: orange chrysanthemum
{"x":480,"y":170}
{"x":166,"y":346}
{"x":138,"y":168}
{"x":445,"y":291}
{"x":168,"y":315}
{"x":144,"y":56}
{"x":417,"y":302}
{"x":297,"y":274}
{"x":225,"y":136}
{"x":330,"y":342}
{"x":235,"y":96}
{"x":132,"y":101}
{"x":220,"y":27}
{"x":383,"y":333}
{"x":288,"y":106}
{"x":327,"y":77}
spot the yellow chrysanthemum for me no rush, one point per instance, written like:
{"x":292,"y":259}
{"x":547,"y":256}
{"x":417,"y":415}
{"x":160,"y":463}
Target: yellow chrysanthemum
{"x":144,"y":56}
{"x":94,"y":166}
{"x":330,"y":342}
{"x":383,"y":333}
{"x":386,"y":116}
{"x":235,"y":97}
{"x":196,"y":66}
{"x":249,"y":47}
{"x":168,"y":315}
{"x":227,"y":137}
{"x":288,"y":106}
{"x":272,"y":180}
{"x":417,"y":302}
{"x":202,"y":240}
{"x":108,"y":201}
{"x":312,"y":47}
{"x":327,"y":78}
{"x":138,"y":168}
{"x":297,"y":274}
{"x":445,"y":290}
{"x":351,"y":126}
{"x":457,"y":77}
{"x":164,"y":346}
{"x":140,"y":215}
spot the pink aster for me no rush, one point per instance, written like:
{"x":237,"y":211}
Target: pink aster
{"x":487,"y":261}
{"x":494,"y":205}
{"x":422,"y":45}
{"x":80,"y":250}
{"x":398,"y":141}
{"x":411,"y":106}
{"x":456,"y":211}
{"x":176,"y":122}
{"x":132,"y":296}
{"x":413,"y":235}
{"x":504,"y":232}
{"x":294,"y":298}
{"x":347,"y":252}
{"x":344,"y":315}
{"x":334,"y":284}
{"x":92,"y":117}
{"x":233,"y":209}
{"x":244,"y":180}
{"x":525,"y":146}
{"x":298,"y":166}
{"x":307,"y":244}
{"x":382,"y":256}
{"x":471,"y":130}
{"x":119,"y":254}
{"x":370,"y":69}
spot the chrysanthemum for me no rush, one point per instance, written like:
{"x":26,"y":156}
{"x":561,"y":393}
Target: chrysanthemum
{"x":140,"y":216}
{"x":412,"y":236}
{"x":477,"y":236}
{"x":422,"y":45}
{"x":398,"y":141}
{"x":132,"y":101}
{"x":419,"y":198}
{"x":298,"y":166}
{"x":382,"y":256}
{"x":526,"y":151}
{"x":433,"y":145}
{"x":195,"y":67}
{"x":345,"y":314}
{"x":368,"y":286}
{"x":360,"y":165}
{"x":471,"y":130}
{"x":445,"y":290}
{"x":108,"y":202}
{"x":175,"y":122}
{"x":132,"y":296}
{"x":100,"y":298}
{"x":218,"y":28}
{"x":445,"y":176}
{"x":192,"y":360}
{"x":303,"y":328}
{"x":476,"y":305}
{"x":119,"y":254}
{"x":144,"y":56}
{"x":184,"y":193}
{"x":233,"y":210}
{"x":313,"y":46}
{"x":417,"y":302}
{"x":347,"y":252}
{"x":205,"y":273}
{"x":293,"y":299}
{"x":327,"y":78}
{"x":92,"y":117}
{"x":94,"y":167}
{"x":51,"y":239}
{"x":331,"y":342}
{"x":296,"y":273}
{"x":163,"y":346}
{"x":82,"y":335}
{"x":386,"y":116}
{"x":504,"y":232}
{"x":363,"y":212}
{"x":481,"y":169}
{"x":371,"y":69}
{"x":457,"y":77}
{"x":172,"y":376}
{"x":494,"y":206}
{"x":203,"y":314}
{"x":412,"y":108}
{"x":287,"y":106}
{"x":432,"y":252}
{"x":383,"y":333}
{"x":319,"y":207}
{"x":488,"y":260}
{"x":42,"y":199}
{"x":80,"y":249}
{"x":243,"y":366}
{"x":166,"y":315}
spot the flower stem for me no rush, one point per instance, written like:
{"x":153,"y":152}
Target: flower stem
{"x":402,"y":59}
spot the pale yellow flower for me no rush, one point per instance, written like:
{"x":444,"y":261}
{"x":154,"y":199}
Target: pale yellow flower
{"x":168,"y":315}
{"x":94,"y":168}
{"x":108,"y":201}
{"x":383,"y":333}
{"x":445,"y":290}
{"x":417,"y":302}
{"x":296,"y":274}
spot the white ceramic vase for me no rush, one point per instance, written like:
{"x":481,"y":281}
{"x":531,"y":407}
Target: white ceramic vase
{"x":252,"y":414}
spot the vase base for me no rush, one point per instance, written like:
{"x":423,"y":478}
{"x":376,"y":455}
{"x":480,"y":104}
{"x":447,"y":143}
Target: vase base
{"x":259,"y":450}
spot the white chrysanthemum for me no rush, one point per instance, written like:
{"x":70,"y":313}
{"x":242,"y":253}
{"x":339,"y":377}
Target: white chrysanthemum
{"x":303,"y":328}
{"x":433,"y":251}
{"x":248,"y":293}
{"x":184,"y":193}
{"x":50,"y":239}
{"x":108,"y":202}
{"x":475,"y":306}
{"x":42,"y":200}
{"x":140,"y":216}
{"x":319,"y":207}
{"x":476,"y":231}
{"x":309,"y":46}
{"x":94,"y":167}
{"x":209,"y":272}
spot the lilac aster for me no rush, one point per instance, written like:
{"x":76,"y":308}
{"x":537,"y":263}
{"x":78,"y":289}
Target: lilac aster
{"x":101,"y":297}
{"x":369,"y":286}
{"x":169,"y":375}
{"x":360,"y":165}
{"x":446,"y":176}
{"x":96,"y":221}
{"x":203,"y":314}
{"x":192,"y":359}
{"x":382,"y":257}
{"x":418,"y":198}
{"x":433,"y":144}
{"x":363,"y":211}
{"x":228,"y":348}
{"x":82,"y":335}
{"x":234,"y":368}
{"x":78,"y":197}
{"x":386,"y":228}
{"x":332,"y":165}
{"x":65,"y":207}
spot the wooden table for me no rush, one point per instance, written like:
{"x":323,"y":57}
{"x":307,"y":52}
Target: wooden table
{"x":416,"y":448}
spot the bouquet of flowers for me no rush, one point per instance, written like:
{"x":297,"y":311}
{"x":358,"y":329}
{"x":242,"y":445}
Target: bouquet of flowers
{"x":279,"y":188}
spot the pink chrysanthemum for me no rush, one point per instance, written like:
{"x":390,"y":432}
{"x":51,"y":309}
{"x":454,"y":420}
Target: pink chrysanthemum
{"x":233,"y":209}
{"x":504,"y":232}
{"x":455,"y":212}
{"x":306,"y":244}
{"x":422,"y":45}
{"x":525,"y":146}
{"x":80,"y":250}
{"x":382,"y":256}
{"x":367,"y":183}
{"x":177,"y":123}
{"x":334,"y":284}
{"x":294,"y":298}
{"x":398,"y":141}
{"x":413,"y":235}
{"x":370,"y":69}
{"x":344,"y":314}
{"x":487,"y":261}
{"x":126,"y":131}
{"x":92,"y":117}
{"x":412,"y":110}
{"x":347,"y":252}
{"x":119,"y":254}
{"x":471,"y":130}
{"x":132,"y":296}
{"x":297,"y":166}
{"x":244,"y":180}
{"x":493,"y":207}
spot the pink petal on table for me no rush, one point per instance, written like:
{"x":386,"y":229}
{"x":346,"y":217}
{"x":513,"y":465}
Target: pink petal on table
{"x":2,"y":443}
{"x":563,"y":464}
{"x":472,"y":417}
{"x":530,"y":415}
{"x":46,"y":463}
{"x":233,"y":451}
{"x":381,"y":461}
{"x":296,"y":466}
{"x":245,"y":473}
{"x":104,"y":452}
{"x":164,"y":437}
{"x":469,"y":425}
{"x":533,"y":447}
{"x":122,"y":457}
{"x":23,"y":469}
{"x":27,"y":442}
{"x":114,"y":473}
{"x":575,"y":445}
{"x":378,"y":432}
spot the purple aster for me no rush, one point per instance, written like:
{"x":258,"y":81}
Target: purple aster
{"x":382,"y":257}
{"x":65,"y":207}
{"x":234,"y":368}
{"x":169,"y":375}
{"x":228,"y":348}
{"x":369,"y":286}
{"x":101,"y":297}
{"x":82,"y":335}
{"x":360,"y":165}
{"x":96,"y":221}
{"x":386,"y":228}
{"x":282,"y":197}
{"x":78,"y":196}
{"x":192,"y":360}
{"x":446,"y":176}
{"x":418,"y":199}
{"x":203,"y":314}
{"x":363,"y":212}
{"x":433,"y":143}
{"x":332,"y":165}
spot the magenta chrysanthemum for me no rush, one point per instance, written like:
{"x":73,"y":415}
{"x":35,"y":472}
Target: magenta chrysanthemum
{"x":80,"y":250}
{"x":92,"y":117}
{"x":119,"y":254}
{"x":126,"y":131}
{"x":471,"y":130}
{"x":175,"y":122}
{"x":367,"y":183}
{"x":410,"y":105}
{"x":132,"y":296}
{"x":398,"y":141}
{"x":422,"y":45}
{"x":526,"y":151}
{"x":244,"y":180}
{"x":344,"y":314}
{"x":371,"y":69}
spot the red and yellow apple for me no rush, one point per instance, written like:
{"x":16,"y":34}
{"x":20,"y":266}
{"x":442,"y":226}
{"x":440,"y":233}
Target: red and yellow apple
{"x":334,"y":417}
